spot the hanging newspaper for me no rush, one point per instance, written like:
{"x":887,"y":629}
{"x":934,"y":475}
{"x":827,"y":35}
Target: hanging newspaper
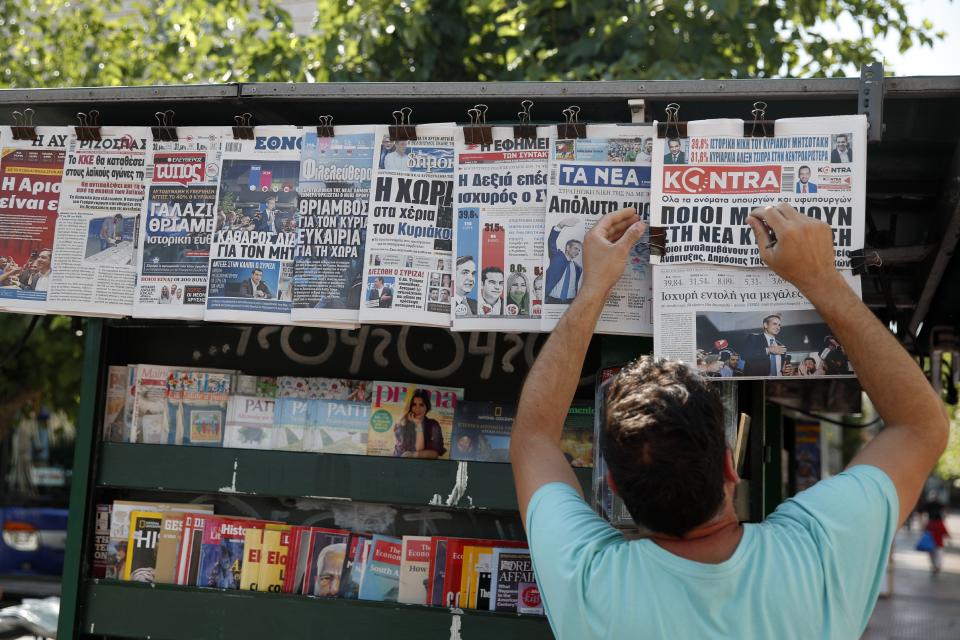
{"x":704,"y":186}
{"x":30,"y":175}
{"x":500,"y":193}
{"x":251,"y":258}
{"x":590,"y":177}
{"x":335,"y":179}
{"x":177,"y":224}
{"x":95,"y":245}
{"x":410,"y":230}
{"x":745,"y":323}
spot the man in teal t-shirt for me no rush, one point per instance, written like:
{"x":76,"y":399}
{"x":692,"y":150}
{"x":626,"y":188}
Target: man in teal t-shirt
{"x":811,"y":570}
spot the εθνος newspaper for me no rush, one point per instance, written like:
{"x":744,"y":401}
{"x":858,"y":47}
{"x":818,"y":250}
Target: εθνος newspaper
{"x":251,"y":258}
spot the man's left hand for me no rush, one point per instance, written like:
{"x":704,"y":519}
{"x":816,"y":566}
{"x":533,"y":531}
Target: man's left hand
{"x":605,"y":250}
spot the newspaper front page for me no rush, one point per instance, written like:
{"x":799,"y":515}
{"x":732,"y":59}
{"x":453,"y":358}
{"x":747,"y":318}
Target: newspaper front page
{"x":177,"y":224}
{"x":30,"y":175}
{"x":733,"y":322}
{"x":500,"y":191}
{"x":589,"y":178}
{"x":704,"y":186}
{"x":335,"y":178}
{"x":251,"y":258}
{"x":95,"y":245}
{"x":410,"y":230}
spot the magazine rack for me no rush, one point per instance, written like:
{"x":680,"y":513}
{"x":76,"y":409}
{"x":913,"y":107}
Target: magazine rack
{"x":91,"y":608}
{"x":107,"y":608}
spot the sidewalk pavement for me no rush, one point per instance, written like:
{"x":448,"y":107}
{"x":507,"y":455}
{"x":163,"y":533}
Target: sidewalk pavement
{"x":922,"y":606}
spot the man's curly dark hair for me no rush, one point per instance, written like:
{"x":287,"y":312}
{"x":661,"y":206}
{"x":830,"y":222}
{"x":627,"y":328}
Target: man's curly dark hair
{"x":664,"y":444}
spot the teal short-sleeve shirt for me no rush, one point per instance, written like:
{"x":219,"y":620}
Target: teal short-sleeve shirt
{"x":813,"y":569}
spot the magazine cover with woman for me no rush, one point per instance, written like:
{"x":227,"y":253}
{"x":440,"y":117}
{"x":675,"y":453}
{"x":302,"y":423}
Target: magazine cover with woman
{"x":412,"y":421}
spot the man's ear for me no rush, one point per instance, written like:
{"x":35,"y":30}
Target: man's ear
{"x":612,"y":484}
{"x":729,"y":468}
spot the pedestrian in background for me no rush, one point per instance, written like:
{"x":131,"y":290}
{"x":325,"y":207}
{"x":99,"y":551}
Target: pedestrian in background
{"x":937,"y":531}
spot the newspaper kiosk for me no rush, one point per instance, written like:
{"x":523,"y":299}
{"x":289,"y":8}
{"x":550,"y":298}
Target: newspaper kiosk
{"x":414,"y":496}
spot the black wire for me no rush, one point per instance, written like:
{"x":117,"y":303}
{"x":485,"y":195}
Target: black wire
{"x":21,"y":343}
{"x":846,"y":425}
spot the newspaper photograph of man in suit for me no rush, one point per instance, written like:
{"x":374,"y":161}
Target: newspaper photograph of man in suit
{"x":565,"y":268}
{"x":767,"y":344}
{"x":841,"y":152}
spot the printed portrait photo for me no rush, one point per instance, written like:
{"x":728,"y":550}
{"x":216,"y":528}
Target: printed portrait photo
{"x":768,"y":344}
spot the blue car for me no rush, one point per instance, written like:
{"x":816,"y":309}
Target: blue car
{"x":31,"y":550}
{"x":34,"y":494}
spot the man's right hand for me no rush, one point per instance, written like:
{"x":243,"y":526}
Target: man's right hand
{"x":800,"y":250}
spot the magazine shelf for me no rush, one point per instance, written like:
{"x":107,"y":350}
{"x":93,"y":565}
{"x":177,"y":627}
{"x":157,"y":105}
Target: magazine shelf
{"x":163,"y":612}
{"x":296,"y":474}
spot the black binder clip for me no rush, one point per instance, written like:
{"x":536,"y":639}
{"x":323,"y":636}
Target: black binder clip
{"x":862,"y":262}
{"x":23,"y":128}
{"x":402,"y":127}
{"x":478,"y":131}
{"x":243,"y":129}
{"x":658,"y":241}
{"x":759,"y":127}
{"x":672,"y":129}
{"x":525,"y":130}
{"x":572,"y":128}
{"x":89,"y":129}
{"x":325,"y":129}
{"x":164,"y":131}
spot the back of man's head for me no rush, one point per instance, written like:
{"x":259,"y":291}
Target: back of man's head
{"x":664,"y":444}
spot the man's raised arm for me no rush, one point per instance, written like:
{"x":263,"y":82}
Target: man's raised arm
{"x":552,"y":381}
{"x":916,"y":423}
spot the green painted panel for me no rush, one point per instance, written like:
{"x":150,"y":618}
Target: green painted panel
{"x":80,"y":489}
{"x":621,"y":349}
{"x":773,"y":460}
{"x":162,"y":612}
{"x":291,"y":474}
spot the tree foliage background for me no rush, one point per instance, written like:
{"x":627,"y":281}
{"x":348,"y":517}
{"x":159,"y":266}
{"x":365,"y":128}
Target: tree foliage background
{"x":56,"y":43}
{"x":40,"y":366}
